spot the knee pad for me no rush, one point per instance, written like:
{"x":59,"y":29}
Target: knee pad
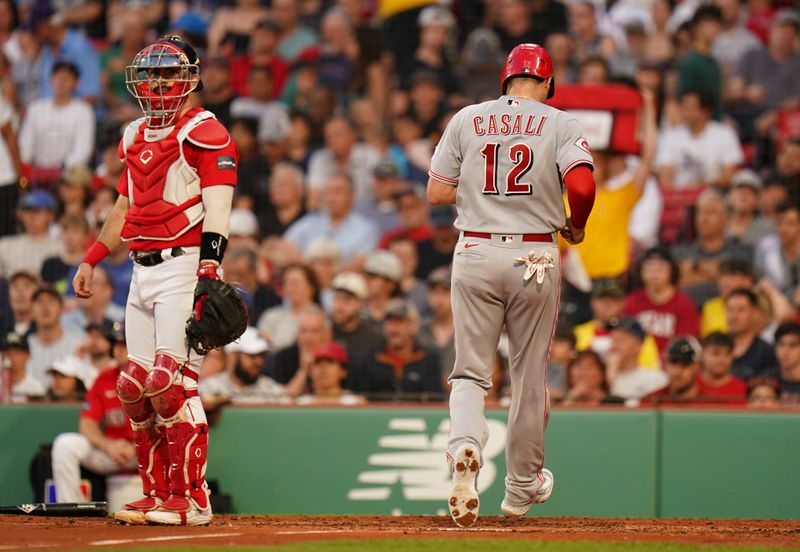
{"x":166,"y":396}
{"x":131,"y":392}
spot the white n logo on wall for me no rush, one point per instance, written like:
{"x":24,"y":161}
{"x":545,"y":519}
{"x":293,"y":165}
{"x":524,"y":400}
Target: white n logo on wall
{"x":416,"y":462}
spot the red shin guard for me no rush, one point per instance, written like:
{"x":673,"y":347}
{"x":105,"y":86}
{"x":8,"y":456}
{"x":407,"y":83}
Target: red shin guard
{"x":152,"y":456}
{"x":188,"y":450}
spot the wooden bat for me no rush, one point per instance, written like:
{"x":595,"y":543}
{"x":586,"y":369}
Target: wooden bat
{"x":62,"y":509}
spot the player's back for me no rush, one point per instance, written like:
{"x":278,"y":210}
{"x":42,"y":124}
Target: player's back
{"x":512,"y":155}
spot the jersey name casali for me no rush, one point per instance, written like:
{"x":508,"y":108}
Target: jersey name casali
{"x":508,"y":157}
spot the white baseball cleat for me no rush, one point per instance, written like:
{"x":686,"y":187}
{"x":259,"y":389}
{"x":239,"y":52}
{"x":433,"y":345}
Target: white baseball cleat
{"x":542,"y":495}
{"x":188,"y":515}
{"x":134,"y":512}
{"x":464,"y":500}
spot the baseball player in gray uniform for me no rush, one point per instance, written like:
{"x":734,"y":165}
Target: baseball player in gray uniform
{"x":505,"y":163}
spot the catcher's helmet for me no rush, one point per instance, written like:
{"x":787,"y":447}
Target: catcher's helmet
{"x":528,"y":60}
{"x":161,"y":77}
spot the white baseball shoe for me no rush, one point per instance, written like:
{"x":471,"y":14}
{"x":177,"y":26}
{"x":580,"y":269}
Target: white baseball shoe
{"x":464,"y":500}
{"x":542,"y":495}
{"x":134,"y":512}
{"x":179,"y":511}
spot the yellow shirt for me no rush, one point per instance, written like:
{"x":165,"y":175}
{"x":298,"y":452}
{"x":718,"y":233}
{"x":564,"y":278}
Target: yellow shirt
{"x":713,"y":317}
{"x":388,"y":8}
{"x":648,"y":356}
{"x":605,"y":251}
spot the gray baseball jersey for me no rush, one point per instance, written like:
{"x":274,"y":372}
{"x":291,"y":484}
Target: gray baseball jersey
{"x":507,"y":157}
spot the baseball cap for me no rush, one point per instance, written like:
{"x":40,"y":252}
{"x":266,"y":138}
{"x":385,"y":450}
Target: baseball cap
{"x":322,"y":248}
{"x":384,"y":264}
{"x":77,"y":175}
{"x":436,"y":15}
{"x":747,"y":177}
{"x":629,"y":325}
{"x":421,"y":76}
{"x":191,"y":23}
{"x":39,"y":13}
{"x":400,"y":308}
{"x":331,"y":351}
{"x":243,"y":223}
{"x":683,"y":350}
{"x":112,"y":331}
{"x":608,"y":287}
{"x":38,"y":200}
{"x":386,"y":169}
{"x":787,"y":16}
{"x":352,"y":283}
{"x":14,"y":340}
{"x":70,"y":366}
{"x":442,"y":215}
{"x":441,"y":276}
{"x":250,"y":343}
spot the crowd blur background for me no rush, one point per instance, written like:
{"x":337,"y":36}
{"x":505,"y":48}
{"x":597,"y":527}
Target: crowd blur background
{"x":686,"y":291}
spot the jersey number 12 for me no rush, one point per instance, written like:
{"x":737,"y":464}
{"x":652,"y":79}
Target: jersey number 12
{"x":521,"y":156}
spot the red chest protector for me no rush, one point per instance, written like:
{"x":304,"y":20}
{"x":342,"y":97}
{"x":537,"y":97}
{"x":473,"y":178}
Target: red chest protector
{"x":163,"y":188}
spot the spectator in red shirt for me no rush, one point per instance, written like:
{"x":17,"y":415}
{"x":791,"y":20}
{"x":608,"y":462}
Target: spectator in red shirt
{"x":104,"y":442}
{"x":262,"y":52}
{"x":661,"y":309}
{"x":716,"y":380}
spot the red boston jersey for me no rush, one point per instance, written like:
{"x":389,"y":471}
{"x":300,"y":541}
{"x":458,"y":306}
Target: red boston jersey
{"x":103,"y":406}
{"x":164,"y":174}
{"x":678,"y":316}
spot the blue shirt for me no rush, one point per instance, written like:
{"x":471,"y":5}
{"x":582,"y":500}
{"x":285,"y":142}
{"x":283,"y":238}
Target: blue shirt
{"x":355,"y":236}
{"x":76,"y":49}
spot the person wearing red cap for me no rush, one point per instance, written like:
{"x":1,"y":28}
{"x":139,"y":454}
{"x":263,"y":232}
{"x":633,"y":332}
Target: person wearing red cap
{"x":328,"y":371}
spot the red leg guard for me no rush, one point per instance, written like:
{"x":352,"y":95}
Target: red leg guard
{"x":167,"y":396}
{"x":188,"y":450}
{"x":152,"y":456}
{"x":130,"y":390}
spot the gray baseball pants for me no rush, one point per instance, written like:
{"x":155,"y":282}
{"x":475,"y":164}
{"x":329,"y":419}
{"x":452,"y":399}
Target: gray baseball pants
{"x":488,"y":291}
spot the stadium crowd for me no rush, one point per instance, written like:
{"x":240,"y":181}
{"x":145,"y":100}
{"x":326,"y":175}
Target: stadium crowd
{"x":686,"y":290}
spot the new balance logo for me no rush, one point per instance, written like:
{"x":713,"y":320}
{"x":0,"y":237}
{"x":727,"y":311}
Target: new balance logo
{"x":413,"y":461}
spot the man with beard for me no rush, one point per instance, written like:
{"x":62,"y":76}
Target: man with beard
{"x":243,"y":383}
{"x":349,"y":324}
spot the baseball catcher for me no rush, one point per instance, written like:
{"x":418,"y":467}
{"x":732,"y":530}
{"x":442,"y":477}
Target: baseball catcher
{"x":173,"y":211}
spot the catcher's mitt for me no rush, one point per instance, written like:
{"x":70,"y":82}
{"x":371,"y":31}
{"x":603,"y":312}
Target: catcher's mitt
{"x":219,"y":316}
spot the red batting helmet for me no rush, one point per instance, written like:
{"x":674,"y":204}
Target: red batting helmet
{"x":528,"y":60}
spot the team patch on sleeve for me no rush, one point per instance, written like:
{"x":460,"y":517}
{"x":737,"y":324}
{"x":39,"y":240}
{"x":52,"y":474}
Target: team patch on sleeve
{"x":582,"y":144}
{"x":226,"y":163}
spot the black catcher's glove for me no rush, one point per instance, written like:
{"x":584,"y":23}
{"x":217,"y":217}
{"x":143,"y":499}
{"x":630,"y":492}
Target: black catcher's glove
{"x":219,"y":315}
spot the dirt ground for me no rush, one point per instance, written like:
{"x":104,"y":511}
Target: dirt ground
{"x":22,"y":532}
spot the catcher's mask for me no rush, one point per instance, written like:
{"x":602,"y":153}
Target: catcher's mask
{"x":161,"y":77}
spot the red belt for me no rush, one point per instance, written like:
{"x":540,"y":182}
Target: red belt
{"x":547,"y":238}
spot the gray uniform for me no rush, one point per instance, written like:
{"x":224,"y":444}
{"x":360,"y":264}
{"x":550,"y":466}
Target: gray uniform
{"x":507,"y":157}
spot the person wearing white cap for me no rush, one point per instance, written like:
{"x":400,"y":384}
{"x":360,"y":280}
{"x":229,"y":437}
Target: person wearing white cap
{"x":384,"y":274}
{"x":243,"y":228}
{"x":243,"y":382}
{"x":348,"y":316}
{"x":323,"y":255}
{"x":745,"y":223}
{"x":67,"y":379}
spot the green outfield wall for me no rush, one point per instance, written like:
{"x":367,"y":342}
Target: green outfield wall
{"x":667,"y":463}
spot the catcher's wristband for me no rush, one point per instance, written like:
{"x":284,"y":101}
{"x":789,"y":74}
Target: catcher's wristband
{"x":212,"y":247}
{"x":97,"y":252}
